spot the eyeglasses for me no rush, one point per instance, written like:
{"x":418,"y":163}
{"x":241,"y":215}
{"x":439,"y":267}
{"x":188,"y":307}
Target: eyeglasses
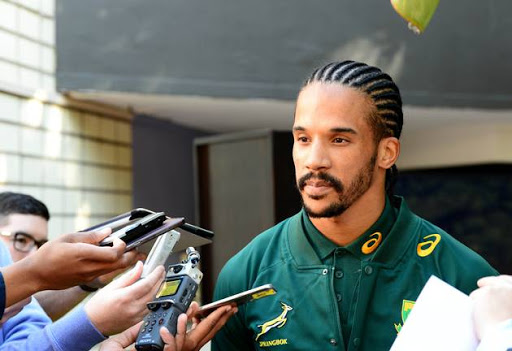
{"x":23,"y":242}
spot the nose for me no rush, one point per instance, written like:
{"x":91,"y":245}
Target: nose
{"x":317,"y":157}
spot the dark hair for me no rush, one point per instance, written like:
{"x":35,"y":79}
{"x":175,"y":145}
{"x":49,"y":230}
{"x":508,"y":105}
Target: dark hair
{"x":387,"y":121}
{"x":16,"y":203}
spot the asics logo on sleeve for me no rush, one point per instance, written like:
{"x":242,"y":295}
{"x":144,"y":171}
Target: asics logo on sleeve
{"x":427,"y":247}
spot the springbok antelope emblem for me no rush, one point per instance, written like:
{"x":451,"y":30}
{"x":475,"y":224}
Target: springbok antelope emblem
{"x":278,"y":322}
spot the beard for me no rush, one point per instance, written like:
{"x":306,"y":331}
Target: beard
{"x":346,"y":197}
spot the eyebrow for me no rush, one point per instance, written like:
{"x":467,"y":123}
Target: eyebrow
{"x":332,"y":130}
{"x":343,"y":130}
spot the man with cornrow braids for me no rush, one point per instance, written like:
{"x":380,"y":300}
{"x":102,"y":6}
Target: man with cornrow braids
{"x":349,"y":266}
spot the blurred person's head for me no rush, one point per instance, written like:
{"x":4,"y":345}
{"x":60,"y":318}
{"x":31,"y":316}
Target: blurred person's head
{"x":23,"y":223}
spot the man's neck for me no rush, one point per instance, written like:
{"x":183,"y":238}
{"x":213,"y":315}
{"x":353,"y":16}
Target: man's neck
{"x":351,"y":224}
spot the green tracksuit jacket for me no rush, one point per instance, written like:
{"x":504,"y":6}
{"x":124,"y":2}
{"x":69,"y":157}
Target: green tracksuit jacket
{"x":304,"y":314}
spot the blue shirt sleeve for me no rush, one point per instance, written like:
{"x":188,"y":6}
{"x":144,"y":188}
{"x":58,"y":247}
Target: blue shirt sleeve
{"x":5,"y":260}
{"x":74,"y":332}
{"x":2,"y":295}
{"x":30,"y":319}
{"x":32,"y":330}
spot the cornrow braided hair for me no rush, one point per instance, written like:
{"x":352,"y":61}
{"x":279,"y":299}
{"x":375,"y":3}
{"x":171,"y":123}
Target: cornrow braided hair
{"x":388,"y":119}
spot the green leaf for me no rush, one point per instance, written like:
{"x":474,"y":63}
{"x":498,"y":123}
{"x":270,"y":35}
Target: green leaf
{"x":417,"y":12}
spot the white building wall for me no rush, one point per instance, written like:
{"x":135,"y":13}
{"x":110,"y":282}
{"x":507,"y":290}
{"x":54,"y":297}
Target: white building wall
{"x":75,"y":158}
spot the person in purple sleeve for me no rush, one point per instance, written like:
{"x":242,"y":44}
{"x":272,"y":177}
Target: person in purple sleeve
{"x":194,"y":339}
{"x":68,"y":261}
{"x":113,"y":309}
{"x":24,"y":229}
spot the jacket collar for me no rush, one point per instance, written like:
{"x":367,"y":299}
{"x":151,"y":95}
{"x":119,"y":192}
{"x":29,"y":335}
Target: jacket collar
{"x":388,"y":253}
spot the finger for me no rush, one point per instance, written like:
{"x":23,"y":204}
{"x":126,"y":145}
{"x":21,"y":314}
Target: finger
{"x":105,"y":254}
{"x":220,"y":323}
{"x":153,"y":290}
{"x":193,"y":309}
{"x":485,"y":281}
{"x":226,"y":316}
{"x":97,"y":254}
{"x":141,"y":256}
{"x":119,"y":244}
{"x":475,"y":294}
{"x":494,"y":280}
{"x":132,"y":332}
{"x":195,"y":322}
{"x":129,"y":336}
{"x":92,"y":237}
{"x":104,"y":260}
{"x":128,"y":278}
{"x":168,"y":339}
{"x":209,"y":326}
{"x":127,"y":259}
{"x":506,"y":279}
{"x":181,"y":331}
{"x":109,"y":277}
{"x":146,"y":288}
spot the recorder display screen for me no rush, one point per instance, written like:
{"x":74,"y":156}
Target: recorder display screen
{"x":169,"y":288}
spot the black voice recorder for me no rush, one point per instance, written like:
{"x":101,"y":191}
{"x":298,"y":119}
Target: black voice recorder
{"x":174,"y":297}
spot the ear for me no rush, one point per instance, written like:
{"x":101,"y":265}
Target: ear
{"x":389,"y":149}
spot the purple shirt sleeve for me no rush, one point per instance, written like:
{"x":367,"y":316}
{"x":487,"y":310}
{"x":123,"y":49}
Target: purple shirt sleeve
{"x":2,"y":295}
{"x":32,"y":329}
{"x":5,"y":259}
{"x":74,"y":332}
{"x":31,"y":319}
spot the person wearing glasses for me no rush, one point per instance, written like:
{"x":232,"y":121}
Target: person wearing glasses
{"x":117,"y":308}
{"x":22,"y":243}
{"x":23,"y":224}
{"x":24,"y":229}
{"x":64,"y":262}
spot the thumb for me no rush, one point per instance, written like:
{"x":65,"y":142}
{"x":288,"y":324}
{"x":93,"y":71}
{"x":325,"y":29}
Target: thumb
{"x":92,"y":237}
{"x":128,"y":278}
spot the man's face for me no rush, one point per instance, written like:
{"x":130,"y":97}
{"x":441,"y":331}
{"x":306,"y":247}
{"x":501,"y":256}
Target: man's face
{"x":334,"y":151}
{"x":35,"y":226}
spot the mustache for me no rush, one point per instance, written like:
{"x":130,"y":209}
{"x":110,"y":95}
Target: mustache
{"x":333,"y":181}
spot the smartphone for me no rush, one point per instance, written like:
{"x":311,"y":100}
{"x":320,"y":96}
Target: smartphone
{"x":141,"y":225}
{"x":239,"y":299}
{"x":160,"y":251}
{"x":122,"y":220}
{"x":143,"y":233}
{"x":137,"y":227}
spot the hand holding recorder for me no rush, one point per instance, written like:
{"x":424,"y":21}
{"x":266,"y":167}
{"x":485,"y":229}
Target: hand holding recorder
{"x":199,"y":334}
{"x":173,"y":299}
